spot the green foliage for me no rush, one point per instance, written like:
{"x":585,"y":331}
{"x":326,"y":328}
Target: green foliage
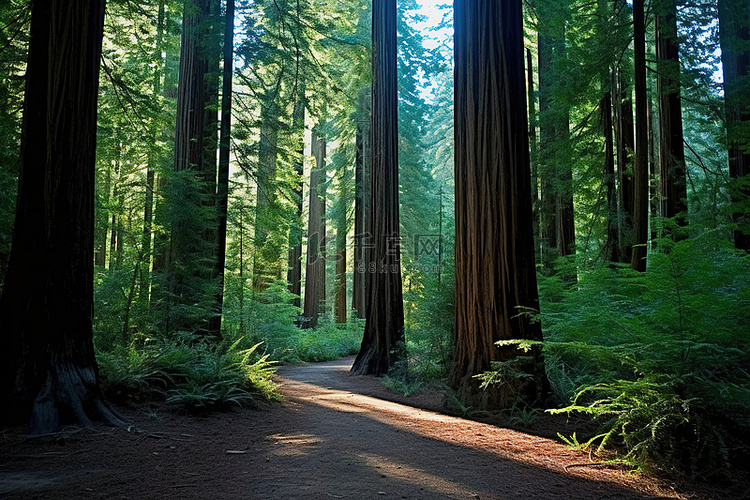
{"x":270,"y":317}
{"x":660,"y":359}
{"x":195,"y":376}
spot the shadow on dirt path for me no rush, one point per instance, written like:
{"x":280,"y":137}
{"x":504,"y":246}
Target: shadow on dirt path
{"x":334,"y":436}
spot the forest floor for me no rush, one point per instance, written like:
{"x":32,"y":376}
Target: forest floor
{"x":333,"y":436}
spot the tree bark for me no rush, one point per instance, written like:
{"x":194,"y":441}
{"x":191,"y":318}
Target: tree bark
{"x":534,"y":155}
{"x":625,"y":142}
{"x":672,"y":177}
{"x":361,"y":197}
{"x":495,"y":265}
{"x":193,"y":237}
{"x":640,"y":166}
{"x":612,"y":241}
{"x":294,"y":271}
{"x":734,"y":33}
{"x":315,"y":272}
{"x":222,"y":186}
{"x":49,"y":372}
{"x":384,"y":325}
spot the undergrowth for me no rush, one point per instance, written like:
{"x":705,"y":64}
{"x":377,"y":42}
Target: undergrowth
{"x":659,"y":360}
{"x":195,"y":376}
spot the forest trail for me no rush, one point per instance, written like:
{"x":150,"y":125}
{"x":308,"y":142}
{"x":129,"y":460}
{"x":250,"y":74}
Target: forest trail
{"x":334,"y":436}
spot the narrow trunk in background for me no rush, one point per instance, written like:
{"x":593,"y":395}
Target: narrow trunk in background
{"x":384,"y":325}
{"x":534,"y":154}
{"x":148,"y":203}
{"x":266,"y":268}
{"x":222,"y":186}
{"x":495,"y":265}
{"x":294,"y":268}
{"x":673,"y":182}
{"x":640,"y":165}
{"x":361,"y":197}
{"x":625,"y":142}
{"x":608,"y":179}
{"x":734,"y":24}
{"x":315,"y":270}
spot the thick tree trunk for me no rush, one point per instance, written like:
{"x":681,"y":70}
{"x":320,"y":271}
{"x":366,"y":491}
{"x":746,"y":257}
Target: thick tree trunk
{"x":294,"y":271}
{"x":495,"y":271}
{"x":673,"y":183}
{"x":315,"y":272}
{"x":640,"y":166}
{"x":734,"y":29}
{"x":222,"y":186}
{"x":362,"y":236}
{"x":48,"y":371}
{"x":384,"y":325}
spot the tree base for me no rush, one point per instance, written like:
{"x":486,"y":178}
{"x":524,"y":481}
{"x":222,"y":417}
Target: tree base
{"x":70,"y":395}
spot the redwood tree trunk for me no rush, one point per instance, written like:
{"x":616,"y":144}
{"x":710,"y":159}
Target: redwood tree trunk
{"x":673,"y":184}
{"x":222,"y":186}
{"x":315,"y":272}
{"x":640,"y":166}
{"x":625,"y":142}
{"x":361,"y":211}
{"x":266,"y":268}
{"x":193,"y":237}
{"x":734,"y":27}
{"x":495,"y":270}
{"x":384,"y":325}
{"x":49,"y":373}
{"x":294,"y":271}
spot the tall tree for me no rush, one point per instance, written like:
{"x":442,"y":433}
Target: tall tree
{"x":294,"y":271}
{"x":49,"y":374}
{"x":734,"y":29}
{"x":495,"y":268}
{"x":361,"y":188}
{"x":315,"y":271}
{"x":222,"y":186}
{"x":192,"y":245}
{"x":640,"y":165}
{"x":673,"y":183}
{"x":558,"y":226}
{"x":384,"y":325}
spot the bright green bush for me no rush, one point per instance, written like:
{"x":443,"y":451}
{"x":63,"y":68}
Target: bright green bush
{"x":661,"y":359}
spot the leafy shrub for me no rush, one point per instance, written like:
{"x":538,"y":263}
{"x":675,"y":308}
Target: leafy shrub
{"x":197,"y":377}
{"x":659,"y":359}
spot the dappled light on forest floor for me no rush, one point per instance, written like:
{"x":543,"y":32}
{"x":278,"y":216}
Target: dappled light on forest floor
{"x":334,"y":436}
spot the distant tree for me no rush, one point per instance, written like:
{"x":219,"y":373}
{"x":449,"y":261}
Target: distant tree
{"x":640,"y":165}
{"x":315,"y":271}
{"x":558,"y":227}
{"x":222,"y":185}
{"x":193,"y":184}
{"x":384,"y":325}
{"x":49,"y":375}
{"x":673,"y":181}
{"x":734,"y":26}
{"x":294,"y":271}
{"x":495,"y":265}
{"x":361,"y":187}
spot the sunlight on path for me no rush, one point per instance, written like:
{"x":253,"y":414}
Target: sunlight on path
{"x":439,"y":455}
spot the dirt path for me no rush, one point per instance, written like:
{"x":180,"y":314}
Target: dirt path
{"x":334,"y":437}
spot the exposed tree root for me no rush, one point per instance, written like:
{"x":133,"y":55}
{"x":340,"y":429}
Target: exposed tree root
{"x":70,"y":395}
